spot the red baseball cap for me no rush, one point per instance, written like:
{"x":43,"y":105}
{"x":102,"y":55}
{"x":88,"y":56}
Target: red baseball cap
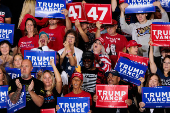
{"x":166,"y":49}
{"x":77,"y":74}
{"x":133,"y":43}
{"x":101,"y":40}
{"x":114,"y":22}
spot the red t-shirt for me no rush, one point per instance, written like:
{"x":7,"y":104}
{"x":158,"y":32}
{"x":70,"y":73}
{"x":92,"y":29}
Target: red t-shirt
{"x":56,"y":37}
{"x":38,"y":22}
{"x":114,"y":44}
{"x":26,"y":43}
{"x":82,"y":94}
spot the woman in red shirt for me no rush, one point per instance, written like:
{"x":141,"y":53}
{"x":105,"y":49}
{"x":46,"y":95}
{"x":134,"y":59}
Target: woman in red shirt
{"x":28,"y":11}
{"x":30,"y":40}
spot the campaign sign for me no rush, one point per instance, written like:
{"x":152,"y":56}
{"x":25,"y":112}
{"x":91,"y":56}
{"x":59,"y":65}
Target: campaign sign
{"x":130,"y":71}
{"x":76,"y":11}
{"x":3,"y":95}
{"x":160,"y":34}
{"x":165,"y":4}
{"x":13,"y":72}
{"x":73,"y":104}
{"x":7,"y":32}
{"x":139,"y":59}
{"x":40,"y":59}
{"x":98,"y":12}
{"x":19,"y":105}
{"x":111,"y":96}
{"x":69,"y":1}
{"x":50,"y":8}
{"x":156,"y":97}
{"x":140,"y":6}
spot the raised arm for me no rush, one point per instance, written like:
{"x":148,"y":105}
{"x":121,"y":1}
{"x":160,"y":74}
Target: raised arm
{"x":153,"y":66}
{"x":165,"y":17}
{"x":124,"y":26}
{"x":57,"y":77}
{"x":82,"y":33}
{"x":98,"y":25}
{"x":114,"y":4}
{"x":68,"y":22}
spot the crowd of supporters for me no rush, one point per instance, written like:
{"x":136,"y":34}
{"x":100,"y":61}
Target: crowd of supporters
{"x":84,"y":58}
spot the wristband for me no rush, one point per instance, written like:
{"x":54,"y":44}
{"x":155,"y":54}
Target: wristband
{"x":69,"y":51}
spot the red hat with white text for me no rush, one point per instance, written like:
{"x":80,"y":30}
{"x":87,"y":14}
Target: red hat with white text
{"x":77,"y":74}
{"x":101,"y":40}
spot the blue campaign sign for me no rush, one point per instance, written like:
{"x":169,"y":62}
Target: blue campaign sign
{"x":3,"y":95}
{"x":40,"y":59}
{"x":11,"y":108}
{"x":156,"y":97}
{"x":140,"y":6}
{"x":161,"y":23}
{"x":50,"y":8}
{"x":6,"y":32}
{"x":130,"y":70}
{"x":13,"y":72}
{"x":73,"y":104}
{"x":69,"y":1}
{"x":165,"y":4}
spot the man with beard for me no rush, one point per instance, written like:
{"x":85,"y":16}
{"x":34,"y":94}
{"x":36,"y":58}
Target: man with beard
{"x":43,"y":41}
{"x":86,"y":38}
{"x":56,"y":31}
{"x":34,"y":89}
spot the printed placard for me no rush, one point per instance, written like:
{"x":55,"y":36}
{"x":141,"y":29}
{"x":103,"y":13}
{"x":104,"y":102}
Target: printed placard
{"x":11,"y":108}
{"x":7,"y":32}
{"x":40,"y":59}
{"x":3,"y":95}
{"x":111,"y":96}
{"x":73,"y":104}
{"x":76,"y":11}
{"x":156,"y":97}
{"x":136,"y":58}
{"x":140,"y":6}
{"x":165,"y":4}
{"x":160,"y":33}
{"x":98,"y":12}
{"x":130,"y":71}
{"x":50,"y":8}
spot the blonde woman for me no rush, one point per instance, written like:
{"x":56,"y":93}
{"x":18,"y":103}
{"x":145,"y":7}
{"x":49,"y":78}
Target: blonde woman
{"x":28,"y":11}
{"x":52,"y":85}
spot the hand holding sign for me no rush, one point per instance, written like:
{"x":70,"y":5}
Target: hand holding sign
{"x":52,"y":62}
{"x":77,"y":23}
{"x":19,"y":85}
{"x":157,"y":3}
{"x":98,"y":24}
{"x":64,"y":12}
{"x":141,"y":105}
{"x":123,"y":6}
{"x":128,"y":102}
{"x":31,"y":86}
{"x":95,"y":97}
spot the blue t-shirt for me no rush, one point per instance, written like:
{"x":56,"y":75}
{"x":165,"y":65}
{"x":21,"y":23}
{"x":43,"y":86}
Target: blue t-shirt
{"x":4,"y":13}
{"x":165,"y":80}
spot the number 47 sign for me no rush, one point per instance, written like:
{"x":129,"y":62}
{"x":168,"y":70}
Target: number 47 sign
{"x":90,"y":12}
{"x":99,"y":12}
